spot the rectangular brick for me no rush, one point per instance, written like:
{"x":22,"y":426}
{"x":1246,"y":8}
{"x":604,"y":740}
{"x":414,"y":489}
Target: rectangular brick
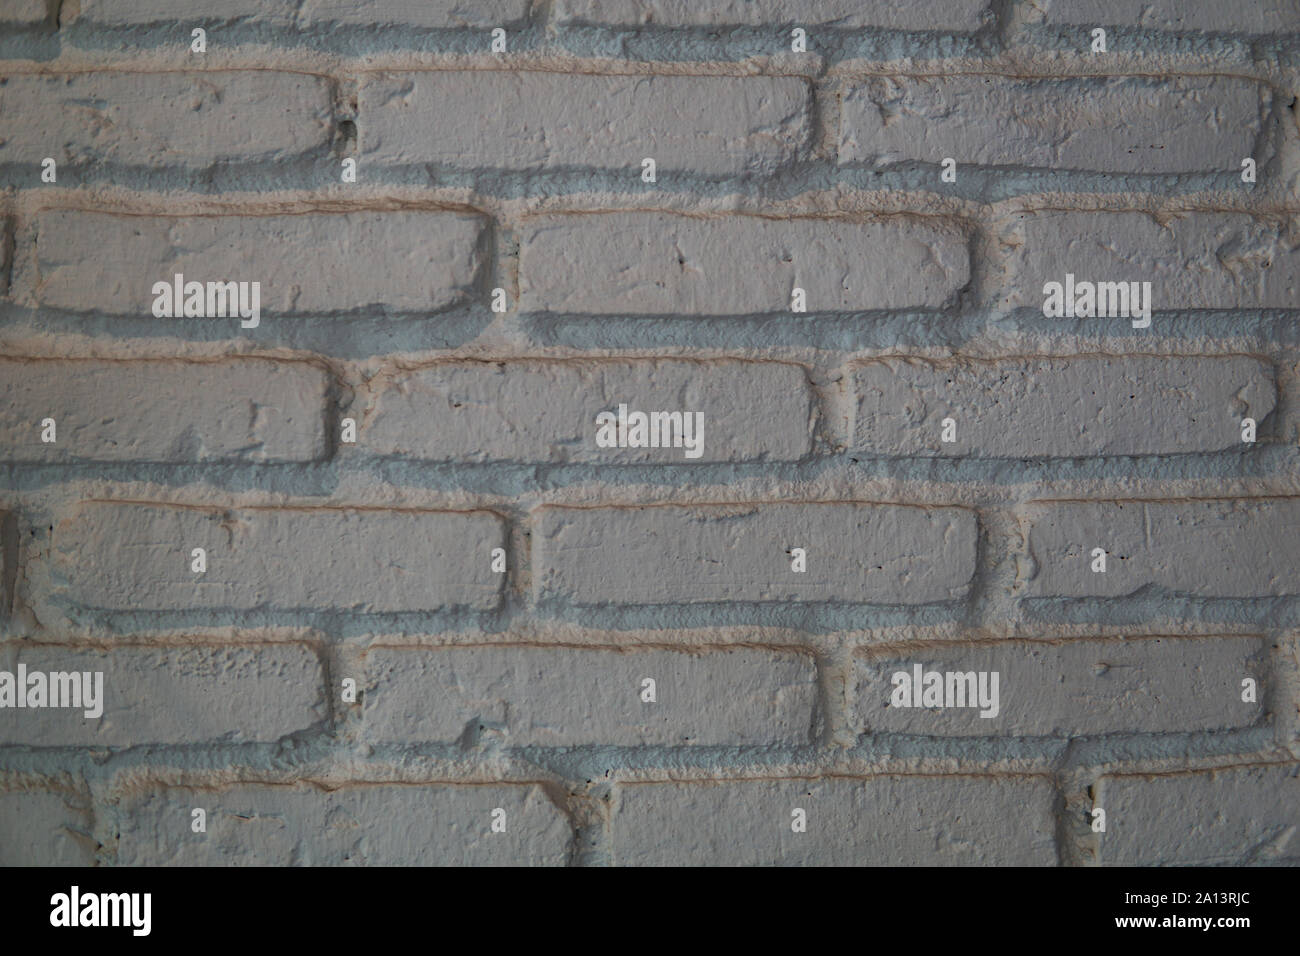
{"x":711,"y":125}
{"x":639,"y":263}
{"x":1199,"y":260}
{"x":947,"y":15}
{"x":1081,"y":687}
{"x":44,"y":828}
{"x":545,"y":411}
{"x":1225,"y":548}
{"x":558,"y":697}
{"x":162,"y":411}
{"x":1257,"y":16}
{"x":355,"y":825}
{"x":1134,"y":124}
{"x":878,"y":821}
{"x":443,"y":14}
{"x":26,"y":12}
{"x":164,"y":120}
{"x":1059,"y":407}
{"x":307,"y":13}
{"x":856,"y":554}
{"x":310,"y":262}
{"x":172,"y":695}
{"x":137,"y":557}
{"x":1241,"y":816}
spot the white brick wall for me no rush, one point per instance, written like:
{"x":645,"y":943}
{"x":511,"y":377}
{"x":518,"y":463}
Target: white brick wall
{"x":428,"y":594}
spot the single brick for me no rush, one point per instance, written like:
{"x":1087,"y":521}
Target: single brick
{"x":559,"y":697}
{"x":430,"y":14}
{"x":161,"y":411}
{"x":137,"y":557}
{"x":891,"y":820}
{"x":1077,"y":688}
{"x":166,"y":120}
{"x":357,"y":825}
{"x":311,"y":262}
{"x":44,"y":828}
{"x":641,"y":263}
{"x":26,"y":12}
{"x":1133,"y":124}
{"x":307,"y":13}
{"x":1074,"y":406}
{"x":856,"y":554}
{"x":1240,"y":816}
{"x":169,"y":695}
{"x":1200,"y":260}
{"x":1258,"y":16}
{"x":545,"y":411}
{"x":711,"y":125}
{"x":956,"y":16}
{"x":1221,"y":548}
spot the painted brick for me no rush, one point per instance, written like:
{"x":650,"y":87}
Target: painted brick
{"x":1063,"y":407}
{"x":1133,"y":124}
{"x":308,"y":13}
{"x":378,"y":825}
{"x":162,"y":120}
{"x":711,"y":125}
{"x":959,"y":16}
{"x":137,"y":557}
{"x":1076,"y":688}
{"x":26,"y":12}
{"x":44,"y":828}
{"x":859,"y":554}
{"x":172,"y":695}
{"x":879,"y":821}
{"x":106,"y":263}
{"x":159,"y":411}
{"x":1207,"y":548}
{"x":1200,"y":260}
{"x":530,"y":411}
{"x":1258,"y":16}
{"x":1242,"y":816}
{"x":653,"y":263}
{"x":559,"y":697}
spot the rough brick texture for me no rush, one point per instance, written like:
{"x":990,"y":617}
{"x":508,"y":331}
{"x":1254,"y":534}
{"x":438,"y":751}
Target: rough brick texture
{"x":364,"y":825}
{"x":863,"y":554}
{"x":1059,"y":407}
{"x":525,"y":695}
{"x":918,"y":821}
{"x":948,"y":15}
{"x":1219,"y":548}
{"x":252,"y":410}
{"x":638,"y":264}
{"x":170,"y":695}
{"x":110,"y":263}
{"x":1236,"y":817}
{"x":168,"y":119}
{"x":44,"y":829}
{"x":1154,"y":685}
{"x":617,"y":498}
{"x":555,"y":121}
{"x":378,"y":561}
{"x":1135,"y":125}
{"x":543,"y":411}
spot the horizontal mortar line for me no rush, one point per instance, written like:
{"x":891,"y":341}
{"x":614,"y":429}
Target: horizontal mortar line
{"x":1189,"y":499}
{"x":1188,"y":771}
{"x":877,"y":650}
{"x":295,"y":506}
{"x":991,"y":214}
{"x":346,"y":69}
{"x":171,"y":641}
